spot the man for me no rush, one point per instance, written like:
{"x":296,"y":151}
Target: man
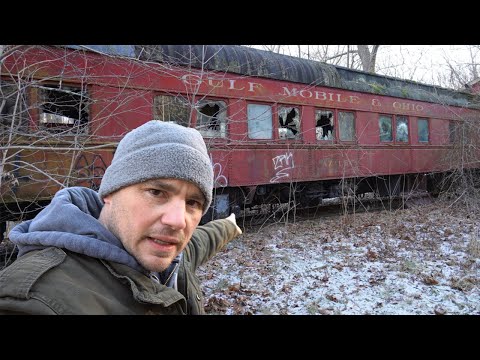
{"x":131,"y":248}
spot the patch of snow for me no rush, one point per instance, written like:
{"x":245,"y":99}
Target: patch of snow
{"x":415,"y":261}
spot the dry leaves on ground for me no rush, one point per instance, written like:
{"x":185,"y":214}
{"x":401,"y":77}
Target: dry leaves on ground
{"x":422,"y":260}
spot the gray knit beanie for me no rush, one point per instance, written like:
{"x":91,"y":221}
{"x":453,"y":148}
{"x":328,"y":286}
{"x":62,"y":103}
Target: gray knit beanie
{"x":159,"y":149}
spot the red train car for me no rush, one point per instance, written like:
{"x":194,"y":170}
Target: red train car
{"x":278,"y":128}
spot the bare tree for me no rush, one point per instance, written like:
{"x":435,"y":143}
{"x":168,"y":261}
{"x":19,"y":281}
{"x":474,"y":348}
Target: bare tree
{"x":272,"y":48}
{"x":368,"y":57}
{"x":461,"y":72}
{"x":360,"y":57}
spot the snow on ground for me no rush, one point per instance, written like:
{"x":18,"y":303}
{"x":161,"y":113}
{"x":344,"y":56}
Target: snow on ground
{"x":422,"y":260}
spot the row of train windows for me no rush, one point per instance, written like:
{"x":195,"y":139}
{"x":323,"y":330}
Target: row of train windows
{"x":212,"y":119}
{"x":289,"y":125}
{"x":260,"y":123}
{"x":67,"y":108}
{"x":387,"y":134}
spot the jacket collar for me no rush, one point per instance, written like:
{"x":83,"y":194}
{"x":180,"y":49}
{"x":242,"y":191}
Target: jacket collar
{"x":145,"y":289}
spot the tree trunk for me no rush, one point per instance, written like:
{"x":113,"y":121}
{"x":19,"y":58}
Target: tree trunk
{"x":368,"y":58}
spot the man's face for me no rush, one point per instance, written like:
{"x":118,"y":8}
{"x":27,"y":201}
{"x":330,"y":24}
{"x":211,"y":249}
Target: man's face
{"x":155,"y":219}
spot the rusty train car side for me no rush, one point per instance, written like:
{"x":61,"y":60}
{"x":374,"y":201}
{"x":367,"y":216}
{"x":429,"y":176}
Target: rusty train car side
{"x":278,"y":128}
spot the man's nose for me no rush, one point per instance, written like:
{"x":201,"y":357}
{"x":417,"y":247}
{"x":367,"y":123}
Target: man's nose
{"x":174,"y":215}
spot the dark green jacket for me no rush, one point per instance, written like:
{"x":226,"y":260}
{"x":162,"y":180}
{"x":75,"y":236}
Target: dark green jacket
{"x":58,"y":281}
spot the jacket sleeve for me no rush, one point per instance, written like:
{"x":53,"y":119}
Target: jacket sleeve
{"x":208,"y":239}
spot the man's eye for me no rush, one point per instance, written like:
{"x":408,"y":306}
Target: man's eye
{"x":196,"y":204}
{"x":155,"y":192}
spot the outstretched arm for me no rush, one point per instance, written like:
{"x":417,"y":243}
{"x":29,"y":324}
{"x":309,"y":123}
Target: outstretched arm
{"x":211,"y":237}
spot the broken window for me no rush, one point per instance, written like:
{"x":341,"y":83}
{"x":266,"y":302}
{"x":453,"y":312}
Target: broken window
{"x":289,"y":123}
{"x":13,"y":107}
{"x":259,"y":121}
{"x":176,"y":109}
{"x":212,"y":118}
{"x":401,"y":134}
{"x":385,"y":125}
{"x":346,"y":126}
{"x":422,"y":130}
{"x":324,"y":127}
{"x":63,"y":108}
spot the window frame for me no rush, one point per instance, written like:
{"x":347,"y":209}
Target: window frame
{"x":223,"y":130}
{"x":397,"y":118}
{"x":54,"y":120}
{"x":249,"y":121}
{"x":453,"y":136}
{"x":16,"y":101}
{"x":428,"y":131}
{"x":277,"y":127}
{"x":394,"y":129}
{"x":354,"y":140}
{"x":335,"y":125}
{"x":157,"y":114}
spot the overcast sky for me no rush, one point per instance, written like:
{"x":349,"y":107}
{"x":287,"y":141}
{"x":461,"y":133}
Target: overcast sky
{"x":421,"y":62}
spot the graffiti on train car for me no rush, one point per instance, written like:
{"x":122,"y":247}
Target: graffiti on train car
{"x":282,"y":165}
{"x":89,"y":172}
{"x":218,"y":177}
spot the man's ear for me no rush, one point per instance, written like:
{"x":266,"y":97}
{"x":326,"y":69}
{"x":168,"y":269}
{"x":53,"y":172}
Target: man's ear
{"x":107,"y":199}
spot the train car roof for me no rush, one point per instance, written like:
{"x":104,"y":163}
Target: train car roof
{"x":259,"y":63}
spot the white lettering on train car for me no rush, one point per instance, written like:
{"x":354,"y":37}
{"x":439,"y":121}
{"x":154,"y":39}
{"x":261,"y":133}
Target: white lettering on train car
{"x":282,"y":164}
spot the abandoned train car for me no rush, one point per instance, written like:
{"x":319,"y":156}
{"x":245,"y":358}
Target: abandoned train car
{"x":278,"y":128}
